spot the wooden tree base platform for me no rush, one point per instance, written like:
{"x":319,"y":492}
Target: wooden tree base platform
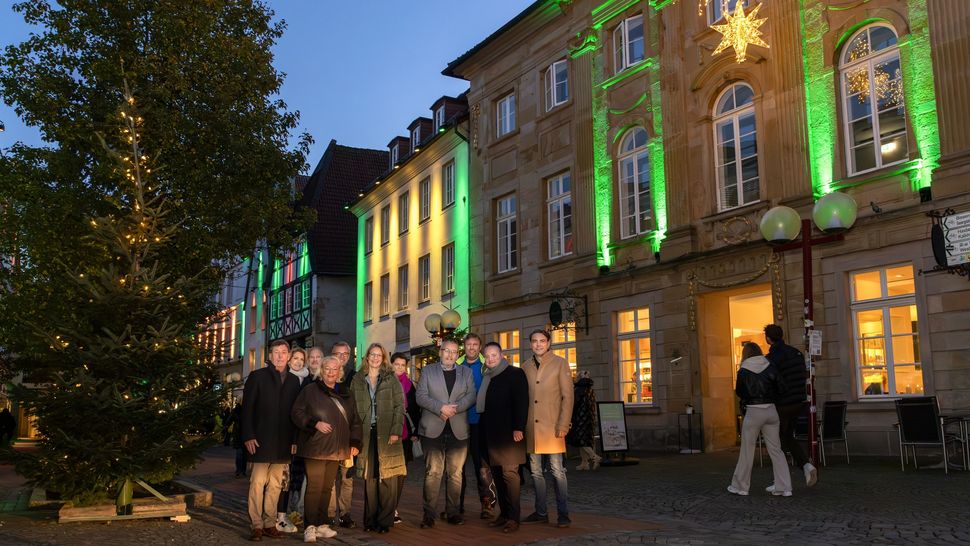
{"x":141,"y":508}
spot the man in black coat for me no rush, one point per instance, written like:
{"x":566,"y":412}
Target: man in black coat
{"x":790,"y":362}
{"x":503,"y":402}
{"x":269,"y":436}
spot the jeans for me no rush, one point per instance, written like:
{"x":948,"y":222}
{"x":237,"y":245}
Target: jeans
{"x":483,"y":474}
{"x":787,"y":416}
{"x":558,"y":470}
{"x":443,"y":455}
{"x":508,"y":489}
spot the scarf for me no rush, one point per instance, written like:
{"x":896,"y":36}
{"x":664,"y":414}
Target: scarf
{"x":487,"y":375}
{"x":302,"y":374}
{"x":406,"y":386}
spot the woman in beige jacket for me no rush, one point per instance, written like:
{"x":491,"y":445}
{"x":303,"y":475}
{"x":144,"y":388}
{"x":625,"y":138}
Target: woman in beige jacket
{"x":550,"y":412}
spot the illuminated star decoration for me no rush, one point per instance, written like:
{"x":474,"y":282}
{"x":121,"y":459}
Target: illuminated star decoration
{"x":740,"y":30}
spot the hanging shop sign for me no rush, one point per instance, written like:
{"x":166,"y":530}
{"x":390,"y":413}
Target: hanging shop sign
{"x":953,"y":238}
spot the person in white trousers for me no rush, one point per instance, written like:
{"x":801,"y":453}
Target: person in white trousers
{"x":759,"y":385}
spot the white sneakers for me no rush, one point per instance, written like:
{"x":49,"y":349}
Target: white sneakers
{"x":811,"y":474}
{"x":284,"y":525}
{"x":771,"y":489}
{"x":311,"y":533}
{"x":731,"y":489}
{"x":324,"y":531}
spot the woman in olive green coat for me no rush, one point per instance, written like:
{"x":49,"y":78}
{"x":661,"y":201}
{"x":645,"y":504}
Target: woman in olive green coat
{"x":380,"y":404}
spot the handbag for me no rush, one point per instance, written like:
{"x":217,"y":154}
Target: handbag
{"x":346,"y":463}
{"x":416,"y":448}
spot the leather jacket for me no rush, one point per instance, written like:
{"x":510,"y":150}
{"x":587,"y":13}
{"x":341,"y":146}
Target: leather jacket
{"x":759,"y":382}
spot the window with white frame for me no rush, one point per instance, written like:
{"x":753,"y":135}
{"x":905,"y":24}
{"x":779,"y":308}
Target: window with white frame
{"x":628,"y":47}
{"x":368,"y":302}
{"x":885,"y":324}
{"x":559,"y":206}
{"x":507,"y":234}
{"x":716,"y":9}
{"x":385,"y":294}
{"x":369,"y":235}
{"x":439,"y":117}
{"x":873,"y":107}
{"x":393,"y":154}
{"x":563,"y":344}
{"x":424,"y":191}
{"x":448,"y":269}
{"x":505,"y":115}
{"x":415,"y":137}
{"x":633,"y":349}
{"x":403,"y":212}
{"x":634,"y":163}
{"x":509,"y":340}
{"x":385,"y":224}
{"x":424,"y":278}
{"x":736,"y":148}
{"x":557,"y":84}
{"x":402,"y":287}
{"x":448,"y":185}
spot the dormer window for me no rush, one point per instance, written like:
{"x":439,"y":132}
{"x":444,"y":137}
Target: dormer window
{"x":415,"y":137}
{"x":439,"y":117}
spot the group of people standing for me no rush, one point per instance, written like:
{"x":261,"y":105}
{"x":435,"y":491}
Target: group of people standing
{"x":329,"y":422}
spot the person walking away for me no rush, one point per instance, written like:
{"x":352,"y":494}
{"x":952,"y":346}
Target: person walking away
{"x":234,"y":424}
{"x":503,"y":402}
{"x":758,"y":386}
{"x":269,"y":436}
{"x":790,"y":363}
{"x":412,"y":414}
{"x":550,"y":414}
{"x":343,"y":492}
{"x":483,"y":475}
{"x":445,"y":393}
{"x":581,"y":434}
{"x":380,"y":404}
{"x":329,"y":432}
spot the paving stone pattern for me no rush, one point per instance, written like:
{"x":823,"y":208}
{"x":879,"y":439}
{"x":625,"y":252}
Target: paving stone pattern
{"x":679,"y":499}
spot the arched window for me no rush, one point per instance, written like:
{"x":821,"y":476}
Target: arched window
{"x":736,"y":148}
{"x":874,"y":117}
{"x":634,"y":184}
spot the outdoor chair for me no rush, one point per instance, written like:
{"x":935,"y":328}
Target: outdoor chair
{"x":920,"y":425}
{"x":833,"y":427}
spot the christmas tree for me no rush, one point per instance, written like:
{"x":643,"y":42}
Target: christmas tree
{"x":125,"y":392}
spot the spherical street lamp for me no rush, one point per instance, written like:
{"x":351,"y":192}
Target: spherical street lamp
{"x":780,"y":225}
{"x":432,"y":322}
{"x":441,"y":326}
{"x":833,"y":213}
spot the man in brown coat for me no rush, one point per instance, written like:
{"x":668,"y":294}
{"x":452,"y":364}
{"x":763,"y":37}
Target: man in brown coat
{"x":550,"y":412}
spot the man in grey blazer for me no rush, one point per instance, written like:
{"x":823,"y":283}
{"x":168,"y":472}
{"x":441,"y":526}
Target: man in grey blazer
{"x":445,"y":392}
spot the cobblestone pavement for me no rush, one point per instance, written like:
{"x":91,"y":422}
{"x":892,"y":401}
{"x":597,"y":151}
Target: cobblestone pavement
{"x":666,"y":499}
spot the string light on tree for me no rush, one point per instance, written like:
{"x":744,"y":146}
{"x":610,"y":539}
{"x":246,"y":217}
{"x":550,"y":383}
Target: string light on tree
{"x":739,"y":31}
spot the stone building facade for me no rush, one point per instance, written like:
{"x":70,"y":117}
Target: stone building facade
{"x":617,"y":120}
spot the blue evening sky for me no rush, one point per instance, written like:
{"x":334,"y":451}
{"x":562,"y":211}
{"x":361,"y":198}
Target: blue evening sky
{"x":358,"y":71}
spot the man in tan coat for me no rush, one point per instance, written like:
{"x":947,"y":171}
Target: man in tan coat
{"x":550,"y":412}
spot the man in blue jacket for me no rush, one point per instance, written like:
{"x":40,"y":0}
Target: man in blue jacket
{"x":483,"y":475}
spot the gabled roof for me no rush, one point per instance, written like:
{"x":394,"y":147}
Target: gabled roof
{"x":450,"y":70}
{"x":343,"y":172}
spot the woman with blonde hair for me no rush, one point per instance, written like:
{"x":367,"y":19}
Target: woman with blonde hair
{"x":380,"y":404}
{"x":330,"y":432}
{"x":759,"y":386}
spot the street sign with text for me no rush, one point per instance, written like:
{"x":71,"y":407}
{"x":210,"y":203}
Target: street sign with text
{"x":956,"y":238}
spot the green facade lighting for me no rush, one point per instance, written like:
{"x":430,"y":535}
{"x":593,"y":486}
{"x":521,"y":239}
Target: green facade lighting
{"x":602,"y":166}
{"x":820,"y":111}
{"x":917,"y":64}
{"x":242,"y":330}
{"x":361,"y":279}
{"x":461,"y":231}
{"x":658,"y":177}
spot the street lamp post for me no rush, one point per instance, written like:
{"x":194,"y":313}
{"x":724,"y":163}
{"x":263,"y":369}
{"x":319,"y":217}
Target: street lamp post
{"x":833,"y":214}
{"x":441,"y":326}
